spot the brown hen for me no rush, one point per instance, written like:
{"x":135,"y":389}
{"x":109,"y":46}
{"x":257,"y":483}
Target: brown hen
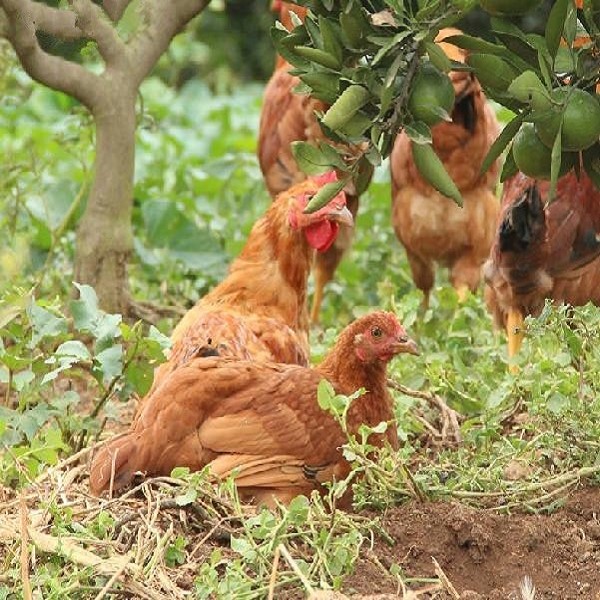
{"x":261,"y":420}
{"x":431,"y":227}
{"x":288,"y":117}
{"x":259,"y":312}
{"x":543,"y":250}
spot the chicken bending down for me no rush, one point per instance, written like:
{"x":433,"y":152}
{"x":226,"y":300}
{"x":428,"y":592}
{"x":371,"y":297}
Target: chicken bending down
{"x":288,"y":117}
{"x":259,"y":312}
{"x":261,"y":420}
{"x":430,"y":226}
{"x":543,"y":250}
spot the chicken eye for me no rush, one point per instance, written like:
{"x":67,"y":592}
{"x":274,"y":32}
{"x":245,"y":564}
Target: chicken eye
{"x":376,"y":332}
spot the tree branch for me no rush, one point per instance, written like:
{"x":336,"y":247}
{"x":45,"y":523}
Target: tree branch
{"x":91,"y":20}
{"x":115,"y":9}
{"x":164,"y":20}
{"x":54,"y":21}
{"x":4,"y":24}
{"x":55,"y":72}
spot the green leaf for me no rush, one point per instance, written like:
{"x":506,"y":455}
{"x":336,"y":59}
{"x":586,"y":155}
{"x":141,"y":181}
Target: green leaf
{"x":75,"y":349}
{"x":327,"y":193}
{"x":555,"y":164}
{"x":475,"y":44}
{"x":555,"y":25}
{"x":501,"y":142}
{"x":351,"y":100}
{"x":110,"y":362}
{"x":437,"y":56}
{"x":323,"y":85}
{"x":313,"y":160}
{"x":388,"y":45}
{"x":44,"y":323}
{"x":325,"y":393}
{"x":509,"y":168}
{"x":433,"y":171}
{"x":331,"y":42}
{"x":418,"y":132}
{"x":318,"y":56}
{"x":188,"y":497}
{"x":85,"y":311}
{"x":527,"y":87}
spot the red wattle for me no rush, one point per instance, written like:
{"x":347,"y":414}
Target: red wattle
{"x":321,"y":235}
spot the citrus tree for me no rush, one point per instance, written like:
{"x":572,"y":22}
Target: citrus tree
{"x":377,"y":66}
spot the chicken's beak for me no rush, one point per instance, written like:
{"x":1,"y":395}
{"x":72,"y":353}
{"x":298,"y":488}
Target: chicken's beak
{"x":514,"y":332}
{"x":404,"y":344}
{"x":341,"y":215}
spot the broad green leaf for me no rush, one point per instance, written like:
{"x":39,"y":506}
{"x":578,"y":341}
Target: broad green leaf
{"x":110,"y":362}
{"x":527,"y":87}
{"x":310,"y":159}
{"x":74,"y":348}
{"x":325,"y":393}
{"x":323,"y":86}
{"x":85,"y":310}
{"x":188,"y":497}
{"x":475,"y":44}
{"x":433,"y":171}
{"x":44,"y":323}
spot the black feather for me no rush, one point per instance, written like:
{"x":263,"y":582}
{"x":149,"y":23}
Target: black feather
{"x":522,"y":222}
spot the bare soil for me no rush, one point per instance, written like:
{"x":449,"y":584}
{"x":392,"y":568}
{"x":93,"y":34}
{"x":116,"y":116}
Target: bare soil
{"x":485,"y":555}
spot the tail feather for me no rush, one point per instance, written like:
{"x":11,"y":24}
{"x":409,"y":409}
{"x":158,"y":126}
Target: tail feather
{"x":115,"y":464}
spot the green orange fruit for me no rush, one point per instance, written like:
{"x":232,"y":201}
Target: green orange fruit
{"x":533,"y":157}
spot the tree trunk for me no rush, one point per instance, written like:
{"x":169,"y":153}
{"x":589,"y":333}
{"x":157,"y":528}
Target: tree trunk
{"x":104,"y":236}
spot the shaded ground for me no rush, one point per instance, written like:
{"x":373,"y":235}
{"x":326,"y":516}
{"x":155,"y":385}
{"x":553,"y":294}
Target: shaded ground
{"x":489,"y":553}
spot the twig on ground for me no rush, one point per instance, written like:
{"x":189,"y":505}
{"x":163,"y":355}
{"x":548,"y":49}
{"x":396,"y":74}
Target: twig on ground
{"x":27,"y":595}
{"x":449,"y":433}
{"x":446,"y":583}
{"x":273,"y":577}
{"x":294,"y":566}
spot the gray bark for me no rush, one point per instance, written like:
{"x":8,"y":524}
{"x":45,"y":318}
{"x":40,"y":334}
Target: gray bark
{"x":104,"y":236}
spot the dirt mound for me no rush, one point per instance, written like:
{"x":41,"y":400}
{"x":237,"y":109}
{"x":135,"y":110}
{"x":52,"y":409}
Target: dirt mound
{"x":486,"y":556}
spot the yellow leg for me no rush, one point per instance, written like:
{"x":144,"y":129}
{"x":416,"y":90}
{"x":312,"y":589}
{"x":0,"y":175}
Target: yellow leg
{"x":462,"y":291}
{"x":514,"y":331}
{"x":317,"y":298}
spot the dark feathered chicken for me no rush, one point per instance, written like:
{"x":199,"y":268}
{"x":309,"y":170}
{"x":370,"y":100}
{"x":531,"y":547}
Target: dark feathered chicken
{"x":543,"y":251}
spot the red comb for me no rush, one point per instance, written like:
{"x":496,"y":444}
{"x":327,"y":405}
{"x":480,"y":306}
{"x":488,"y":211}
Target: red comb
{"x":276,"y":6}
{"x":328,"y":177}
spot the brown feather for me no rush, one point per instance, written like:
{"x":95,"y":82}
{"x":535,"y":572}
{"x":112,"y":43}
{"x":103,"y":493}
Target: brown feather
{"x":261,"y":420}
{"x":431,"y":227}
{"x":287,"y":117}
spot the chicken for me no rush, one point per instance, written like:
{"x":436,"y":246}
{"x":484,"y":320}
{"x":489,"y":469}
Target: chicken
{"x":431,"y":227}
{"x":288,"y":117}
{"x":543,"y":251}
{"x":261,"y":419}
{"x":259,"y":312}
